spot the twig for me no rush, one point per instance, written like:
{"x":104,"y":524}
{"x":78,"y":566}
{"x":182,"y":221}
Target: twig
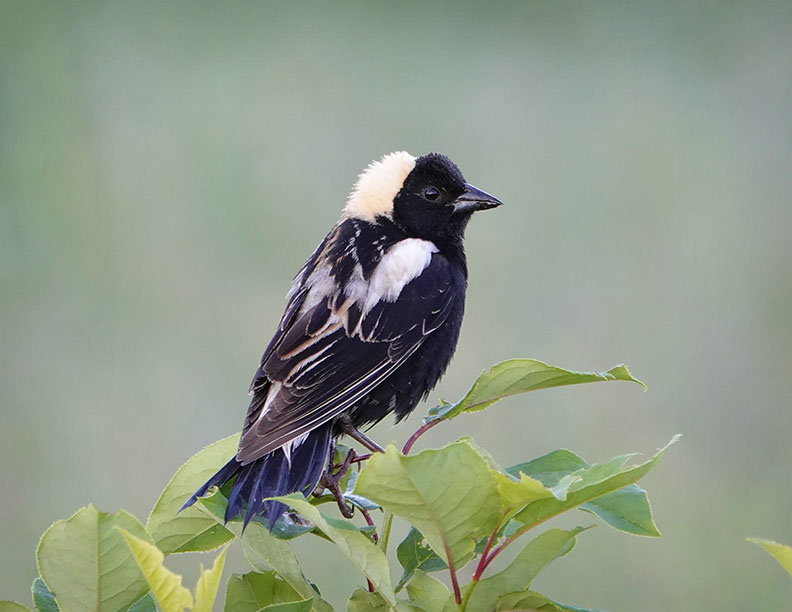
{"x":497,"y":550}
{"x":452,"y":571}
{"x":482,"y":565}
{"x":419,"y":432}
{"x":374,"y":537}
{"x":357,"y":459}
{"x":370,"y":523}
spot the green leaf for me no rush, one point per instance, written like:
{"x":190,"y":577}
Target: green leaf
{"x":190,"y":530}
{"x":780,"y":552}
{"x":12,"y":606}
{"x":428,"y":592}
{"x":627,"y":510}
{"x":144,"y":604}
{"x":253,"y":591}
{"x":594,"y":482}
{"x":531,"y":600}
{"x":515,"y":494}
{"x":516,"y":490}
{"x":166,"y":586}
{"x":525,"y":600}
{"x":84,"y":562}
{"x":519,"y":376}
{"x":414,"y":555}
{"x":519,"y":574}
{"x":599,"y":472}
{"x":265,"y":552}
{"x":293,"y":606}
{"x":43,"y":598}
{"x":361,"y":551}
{"x":549,"y":469}
{"x":208,"y":583}
{"x":249,"y":592}
{"x":571,"y":608}
{"x":448,"y":494}
{"x":287,"y":530}
{"x":358,"y":500}
{"x":363,"y":601}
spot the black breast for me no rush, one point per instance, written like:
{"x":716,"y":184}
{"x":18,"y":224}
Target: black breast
{"x":418,"y":375}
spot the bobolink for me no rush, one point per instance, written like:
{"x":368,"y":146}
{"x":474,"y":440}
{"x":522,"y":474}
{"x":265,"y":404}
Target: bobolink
{"x":371,"y":322}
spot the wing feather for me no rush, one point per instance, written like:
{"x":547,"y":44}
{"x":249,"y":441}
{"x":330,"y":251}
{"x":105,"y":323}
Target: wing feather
{"x":327,"y":357}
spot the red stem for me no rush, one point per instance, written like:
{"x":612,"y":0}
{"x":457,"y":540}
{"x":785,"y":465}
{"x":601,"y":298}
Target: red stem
{"x":452,"y":571}
{"x":374,"y":537}
{"x":511,"y":539}
{"x":498,"y":550}
{"x":370,"y":523}
{"x":357,"y":459}
{"x":418,"y":433}
{"x":407,"y":447}
{"x":483,"y":561}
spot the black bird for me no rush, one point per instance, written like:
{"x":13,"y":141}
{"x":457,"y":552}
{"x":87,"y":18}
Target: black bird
{"x":371,"y":322}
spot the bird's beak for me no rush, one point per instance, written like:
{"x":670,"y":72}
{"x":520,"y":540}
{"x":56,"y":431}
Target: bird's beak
{"x":473,"y":199}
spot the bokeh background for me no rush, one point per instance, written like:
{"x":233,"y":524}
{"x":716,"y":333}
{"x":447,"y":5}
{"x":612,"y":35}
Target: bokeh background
{"x":166,"y":168}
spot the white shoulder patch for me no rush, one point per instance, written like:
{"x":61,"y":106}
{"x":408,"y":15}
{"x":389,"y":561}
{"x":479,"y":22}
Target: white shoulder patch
{"x":403,"y":262}
{"x":377,"y":186}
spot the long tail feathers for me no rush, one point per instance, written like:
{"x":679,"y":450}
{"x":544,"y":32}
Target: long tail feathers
{"x":271,"y":476}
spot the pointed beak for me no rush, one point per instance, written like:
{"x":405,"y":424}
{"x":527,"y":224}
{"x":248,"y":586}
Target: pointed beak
{"x":473,"y":199}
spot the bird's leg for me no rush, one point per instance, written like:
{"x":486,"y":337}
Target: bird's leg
{"x":331,"y":484}
{"x":345,"y":465}
{"x":345,"y":423}
{"x":319,"y":490}
{"x":331,"y":481}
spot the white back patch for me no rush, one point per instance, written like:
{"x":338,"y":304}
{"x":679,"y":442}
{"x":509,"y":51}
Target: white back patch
{"x":403,"y":262}
{"x":377,"y":186}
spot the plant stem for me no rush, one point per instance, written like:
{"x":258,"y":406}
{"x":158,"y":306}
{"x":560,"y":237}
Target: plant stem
{"x":511,"y":539}
{"x":370,"y":523}
{"x":374,"y":537}
{"x":484,"y":563}
{"x":454,"y":581}
{"x":419,"y":432}
{"x":483,"y":560}
{"x":357,"y":459}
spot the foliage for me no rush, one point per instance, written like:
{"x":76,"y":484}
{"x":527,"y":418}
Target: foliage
{"x":780,"y":552}
{"x":462,"y":506}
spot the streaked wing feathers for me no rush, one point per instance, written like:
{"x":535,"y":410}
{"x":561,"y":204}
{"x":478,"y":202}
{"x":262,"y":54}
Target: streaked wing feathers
{"x":325,"y":359}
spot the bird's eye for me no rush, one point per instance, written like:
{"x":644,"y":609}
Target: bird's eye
{"x":431,"y":193}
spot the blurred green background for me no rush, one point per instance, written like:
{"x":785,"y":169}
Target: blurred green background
{"x":166,"y":168}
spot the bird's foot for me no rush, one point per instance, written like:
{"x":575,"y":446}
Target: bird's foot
{"x":343,"y":468}
{"x":331,"y":481}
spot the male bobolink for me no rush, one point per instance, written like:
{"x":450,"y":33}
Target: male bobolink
{"x":371,"y":322}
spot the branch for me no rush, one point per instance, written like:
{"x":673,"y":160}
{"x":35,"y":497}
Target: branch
{"x":419,"y":432}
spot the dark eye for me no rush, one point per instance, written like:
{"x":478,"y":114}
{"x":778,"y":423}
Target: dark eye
{"x":431,"y":193}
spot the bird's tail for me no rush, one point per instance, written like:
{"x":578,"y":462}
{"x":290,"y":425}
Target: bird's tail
{"x":272,"y":475}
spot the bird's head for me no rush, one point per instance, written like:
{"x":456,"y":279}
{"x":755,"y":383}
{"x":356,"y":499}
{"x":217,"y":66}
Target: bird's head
{"x":427,"y":197}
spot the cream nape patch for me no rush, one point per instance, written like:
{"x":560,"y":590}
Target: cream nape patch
{"x":377,"y":186}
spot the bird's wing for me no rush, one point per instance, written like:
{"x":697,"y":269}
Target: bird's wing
{"x":324,"y":359}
